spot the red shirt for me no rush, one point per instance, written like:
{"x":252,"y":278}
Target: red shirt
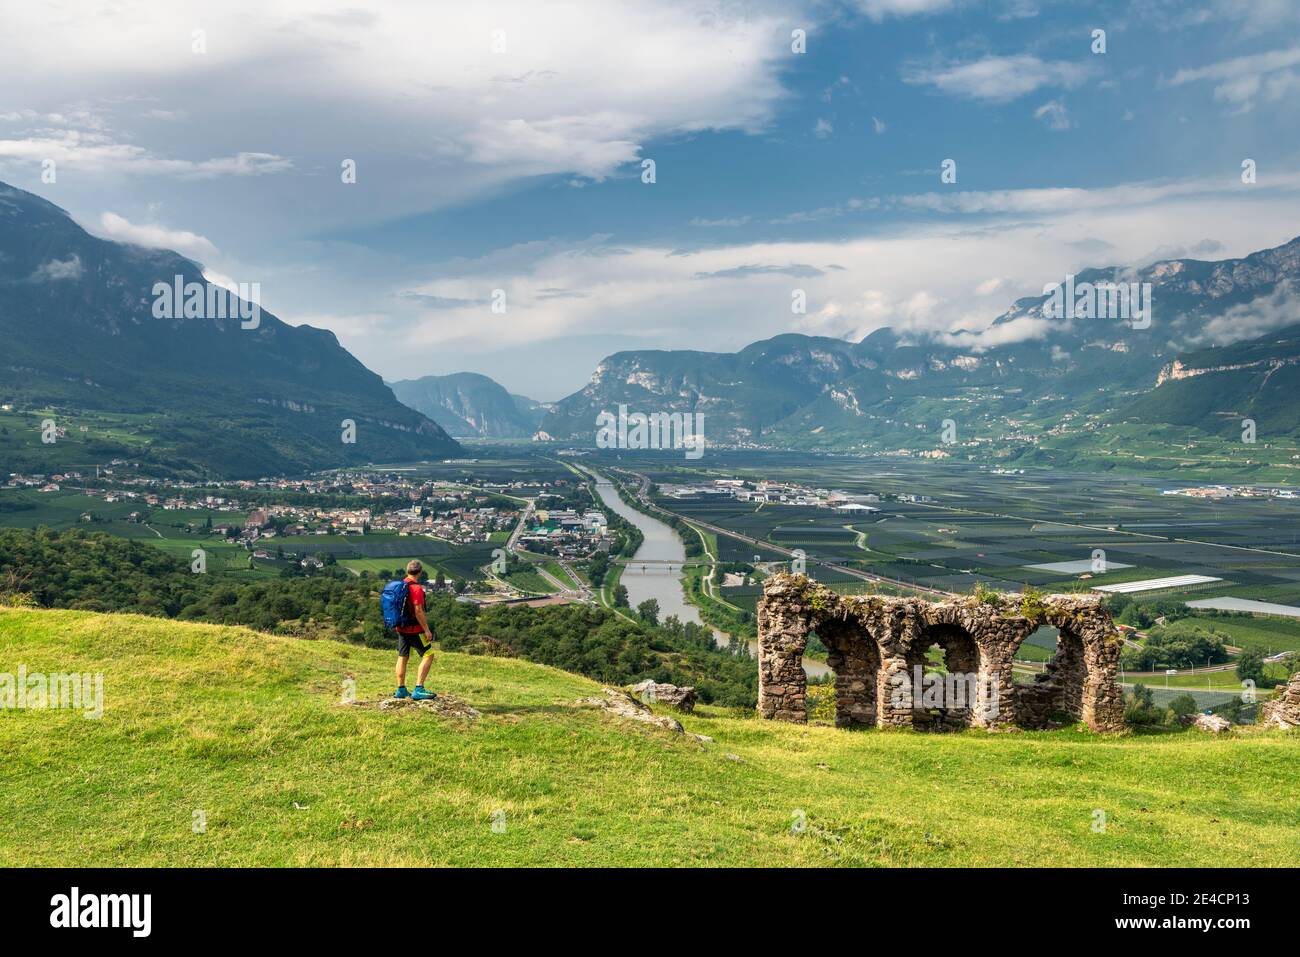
{"x":416,"y":600}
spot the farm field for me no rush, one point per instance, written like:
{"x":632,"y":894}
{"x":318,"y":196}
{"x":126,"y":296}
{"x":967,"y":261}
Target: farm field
{"x":180,"y":531}
{"x":89,"y":438}
{"x":1270,"y":634}
{"x":381,"y":552}
{"x":977,"y":527}
{"x":526,"y":578}
{"x":28,"y":508}
{"x":177,"y":532}
{"x":955,"y":528}
{"x":495,"y":464}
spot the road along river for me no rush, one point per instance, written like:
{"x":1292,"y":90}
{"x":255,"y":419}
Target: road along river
{"x":664,"y":582}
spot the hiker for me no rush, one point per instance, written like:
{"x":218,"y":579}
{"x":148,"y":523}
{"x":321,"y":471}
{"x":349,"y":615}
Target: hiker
{"x":403,"y":603}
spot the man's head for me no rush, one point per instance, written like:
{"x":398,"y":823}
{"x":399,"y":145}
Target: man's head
{"x":413,"y":568}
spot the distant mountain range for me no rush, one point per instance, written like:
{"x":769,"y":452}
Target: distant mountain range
{"x":1032,"y":372}
{"x":81,"y":332}
{"x":82,"y":335}
{"x":469,"y":405}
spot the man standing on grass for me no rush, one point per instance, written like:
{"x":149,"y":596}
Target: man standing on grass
{"x":408,"y":637}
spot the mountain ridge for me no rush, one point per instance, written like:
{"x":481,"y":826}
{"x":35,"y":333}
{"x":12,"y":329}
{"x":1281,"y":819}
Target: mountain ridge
{"x":206,"y":395}
{"x":889,"y":389}
{"x":471,"y":405}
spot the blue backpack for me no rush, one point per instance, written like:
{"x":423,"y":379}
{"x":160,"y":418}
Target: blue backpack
{"x":394,"y":603}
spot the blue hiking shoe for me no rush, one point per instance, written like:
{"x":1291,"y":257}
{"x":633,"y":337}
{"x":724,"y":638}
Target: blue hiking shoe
{"x":419,"y":694}
{"x":401,"y":692}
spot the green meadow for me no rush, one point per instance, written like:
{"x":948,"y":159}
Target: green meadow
{"x":247,"y":734}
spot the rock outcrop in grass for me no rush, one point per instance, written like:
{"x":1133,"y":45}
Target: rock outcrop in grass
{"x":1284,"y":710}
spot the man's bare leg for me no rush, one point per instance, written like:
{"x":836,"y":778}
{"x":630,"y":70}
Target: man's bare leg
{"x":401,"y":671}
{"x":425,"y":664}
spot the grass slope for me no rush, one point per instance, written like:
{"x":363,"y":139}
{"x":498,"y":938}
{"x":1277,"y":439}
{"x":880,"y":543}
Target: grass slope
{"x":247,"y":728}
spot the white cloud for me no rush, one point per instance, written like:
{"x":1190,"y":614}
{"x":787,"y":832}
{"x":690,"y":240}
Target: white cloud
{"x":929,"y":280}
{"x":31,"y":116}
{"x":59,"y":270}
{"x":1067,"y":199}
{"x":726,"y":221}
{"x":999,"y":78}
{"x":1251,"y":17}
{"x":588,"y":145}
{"x":1054,"y":114}
{"x":821,"y":213}
{"x":880,"y":9}
{"x":96,"y":152}
{"x":578,"y":90}
{"x":1241,"y":80}
{"x":1022,"y":329}
{"x":823,"y":129}
{"x":119,"y":228}
{"x":1249,"y":320}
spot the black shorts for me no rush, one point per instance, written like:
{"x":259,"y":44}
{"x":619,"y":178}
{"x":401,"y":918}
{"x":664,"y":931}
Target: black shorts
{"x":407,"y":642}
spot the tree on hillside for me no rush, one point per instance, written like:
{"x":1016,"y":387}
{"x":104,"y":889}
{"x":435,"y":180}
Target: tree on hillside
{"x":1180,"y":645}
{"x":1250,"y":666}
{"x":1139,"y":707}
{"x":1143,"y":696}
{"x":1232,"y":710}
{"x":620,"y":596}
{"x":597,"y":568}
{"x":649,"y":611}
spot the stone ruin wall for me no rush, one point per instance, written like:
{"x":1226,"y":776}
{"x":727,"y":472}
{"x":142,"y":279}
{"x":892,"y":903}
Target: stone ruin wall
{"x":1284,"y":710}
{"x":871,"y":639}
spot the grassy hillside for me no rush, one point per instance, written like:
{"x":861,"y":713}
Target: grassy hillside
{"x":248,"y":729}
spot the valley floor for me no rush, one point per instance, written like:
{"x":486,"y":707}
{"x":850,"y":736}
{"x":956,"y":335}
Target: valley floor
{"x":245,"y":733}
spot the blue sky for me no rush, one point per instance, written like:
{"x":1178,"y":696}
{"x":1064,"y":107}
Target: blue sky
{"x":865,"y":115}
{"x":512,"y":160}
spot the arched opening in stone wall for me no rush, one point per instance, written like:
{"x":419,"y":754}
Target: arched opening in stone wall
{"x":1056,"y":695}
{"x":943,"y":676}
{"x":854,"y":656}
{"x":1071,"y":671}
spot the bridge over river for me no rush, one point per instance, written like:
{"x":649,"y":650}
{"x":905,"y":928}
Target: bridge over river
{"x":671,"y":563}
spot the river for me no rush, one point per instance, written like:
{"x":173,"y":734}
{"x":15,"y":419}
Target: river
{"x":664,"y":582}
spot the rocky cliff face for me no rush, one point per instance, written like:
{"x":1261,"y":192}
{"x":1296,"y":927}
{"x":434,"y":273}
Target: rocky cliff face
{"x":467,"y":404}
{"x":1177,"y":370}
